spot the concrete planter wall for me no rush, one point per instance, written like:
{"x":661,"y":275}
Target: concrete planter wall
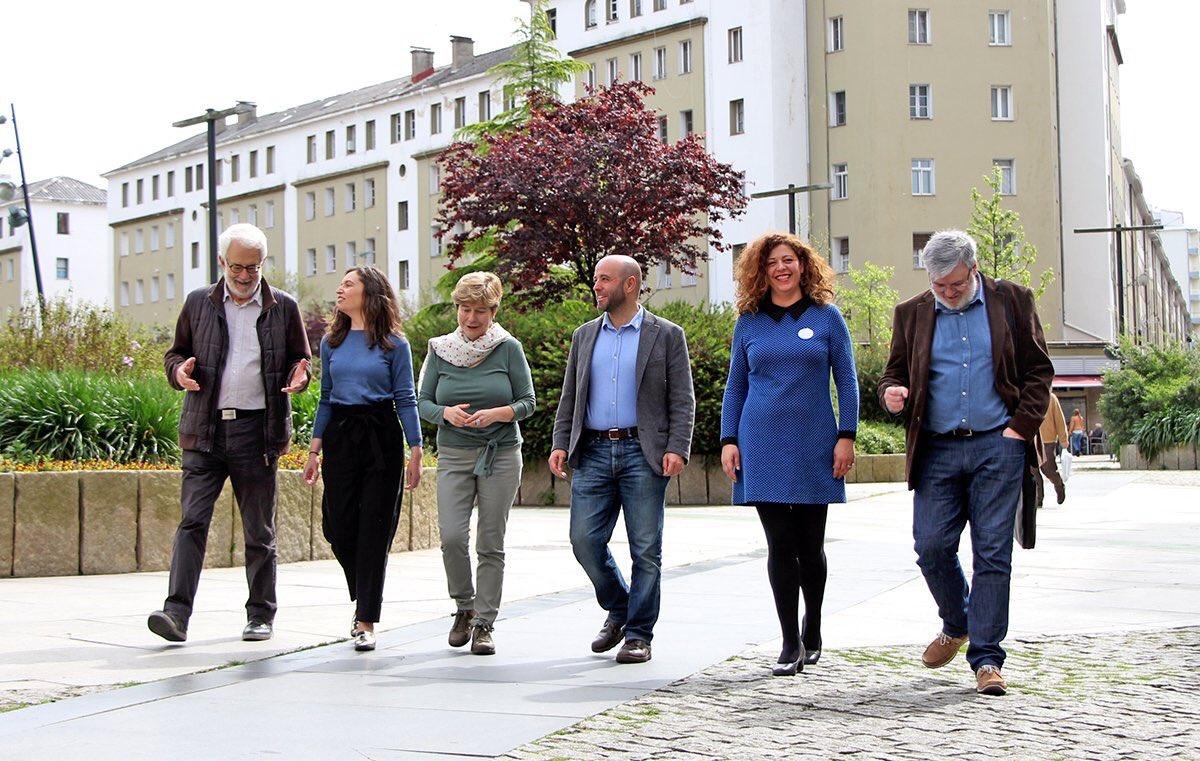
{"x":1179,"y":458}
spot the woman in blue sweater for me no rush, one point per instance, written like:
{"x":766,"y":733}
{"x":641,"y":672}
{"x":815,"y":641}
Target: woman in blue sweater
{"x":368,"y":409}
{"x":782,"y":446}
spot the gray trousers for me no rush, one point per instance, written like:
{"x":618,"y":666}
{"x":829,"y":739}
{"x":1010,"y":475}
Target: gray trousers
{"x":458,"y":491}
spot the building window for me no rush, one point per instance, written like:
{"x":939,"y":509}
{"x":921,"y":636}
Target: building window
{"x":200,"y":177}
{"x":124,"y":244}
{"x":310,"y":205}
{"x":591,"y":77}
{"x":841,"y":256}
{"x":410,"y":124}
{"x":61,"y":268}
{"x":435,"y":179}
{"x":918,"y":245}
{"x":610,"y":10}
{"x":435,"y":241}
{"x":685,"y":57}
{"x":330,"y":258}
{"x":64,"y":222}
{"x":310,"y":262}
{"x":589,"y":14}
{"x":170,"y":235}
{"x":187,"y":180}
{"x":195,"y":255}
{"x":125,"y":190}
{"x":154,"y":238}
{"x":219,"y":172}
{"x":635,"y":67}
{"x":552,"y":17}
{"x":686,"y":123}
{"x":435,"y":118}
{"x":613,"y":72}
{"x":662,"y":129}
{"x":140,"y":195}
{"x":170,"y":286}
{"x":252,"y":214}
{"x":837,"y":108}
{"x":841,"y":184}
{"x":351,"y":196}
{"x":663,"y":280}
{"x":154,"y":290}
{"x":350,"y":139}
{"x":485,"y":106}
{"x":154,"y":188}
{"x":270,"y":215}
{"x":351,"y":254}
{"x":403,"y":276}
{"x":660,"y":5}
{"x":1008,"y":176}
{"x":922,"y":177}
{"x":139,"y":241}
{"x":686,"y":279}
{"x":139,"y":292}
{"x":918,"y":27}
{"x":735,"y":45}
{"x":330,"y":202}
{"x":270,"y":159}
{"x":837,"y":39}
{"x":460,"y":113}
{"x":920,"y":102}
{"x":402,"y":215}
{"x":737,"y":116}
{"x":330,"y":144}
{"x":660,"y":63}
{"x":369,"y":135}
{"x":1002,"y":103}
{"x":234,"y":168}
{"x":170,"y":184}
{"x":311,"y":149}
{"x":368,"y":256}
{"x":253,"y":164}
{"x":999,"y":28}
{"x":397,"y":135}
{"x":124,"y":287}
{"x":368,"y":193}
{"x":635,"y":8}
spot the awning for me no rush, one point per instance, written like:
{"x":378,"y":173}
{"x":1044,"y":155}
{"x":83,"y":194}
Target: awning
{"x":1078,"y":381}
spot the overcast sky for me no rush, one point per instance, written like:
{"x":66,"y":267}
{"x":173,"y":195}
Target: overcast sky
{"x":98,"y":84}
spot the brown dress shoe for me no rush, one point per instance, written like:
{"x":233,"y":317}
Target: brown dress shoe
{"x":481,"y":639}
{"x":610,"y":635}
{"x":634,"y":651}
{"x":1060,"y":492}
{"x":942,"y":650}
{"x":989,"y":682}
{"x":460,"y":631}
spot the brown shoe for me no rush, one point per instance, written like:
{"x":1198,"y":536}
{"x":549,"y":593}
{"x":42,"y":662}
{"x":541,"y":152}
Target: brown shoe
{"x":609,"y":637}
{"x":460,"y":632}
{"x":988,"y":680}
{"x":634,"y":651}
{"x":942,"y":650}
{"x":1060,"y":492}
{"x":481,"y":639}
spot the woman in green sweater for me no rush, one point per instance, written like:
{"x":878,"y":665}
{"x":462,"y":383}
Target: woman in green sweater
{"x":475,"y":385}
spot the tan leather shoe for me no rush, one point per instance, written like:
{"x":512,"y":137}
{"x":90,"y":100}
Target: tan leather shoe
{"x":460,"y":631}
{"x":942,"y":650}
{"x":481,"y":639}
{"x":988,"y":680}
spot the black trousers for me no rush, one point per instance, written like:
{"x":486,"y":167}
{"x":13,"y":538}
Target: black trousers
{"x":362,"y":471}
{"x":796,"y":565}
{"x":239,"y":454}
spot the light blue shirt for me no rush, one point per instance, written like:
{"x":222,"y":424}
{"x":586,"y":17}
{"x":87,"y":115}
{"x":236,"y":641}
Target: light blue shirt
{"x":962,"y":381}
{"x":612,"y":387}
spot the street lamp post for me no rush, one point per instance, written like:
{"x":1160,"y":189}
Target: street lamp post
{"x":791,"y":191}
{"x":211,"y":117}
{"x":1119,"y":229}
{"x":37,"y":270}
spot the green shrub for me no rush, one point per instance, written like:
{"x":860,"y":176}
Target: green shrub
{"x":304,"y":410}
{"x":879,"y":438}
{"x":1150,"y":400}
{"x":81,"y":337}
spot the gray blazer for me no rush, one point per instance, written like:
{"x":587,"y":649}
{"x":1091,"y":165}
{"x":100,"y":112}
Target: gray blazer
{"x":666,"y":404}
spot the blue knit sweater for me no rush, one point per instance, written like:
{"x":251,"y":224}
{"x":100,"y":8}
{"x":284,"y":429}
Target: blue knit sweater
{"x":779,"y":409}
{"x":354,"y":374}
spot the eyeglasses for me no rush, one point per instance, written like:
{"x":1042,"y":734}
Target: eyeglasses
{"x":237,"y":269}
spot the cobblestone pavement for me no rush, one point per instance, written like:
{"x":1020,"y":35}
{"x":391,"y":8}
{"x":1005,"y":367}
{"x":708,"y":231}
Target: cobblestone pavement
{"x":1112,"y":696}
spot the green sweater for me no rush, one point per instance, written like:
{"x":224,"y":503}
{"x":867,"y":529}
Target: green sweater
{"x":501,"y":379}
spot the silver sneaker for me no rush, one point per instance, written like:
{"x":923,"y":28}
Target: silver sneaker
{"x":364,"y":641}
{"x":257,"y":631}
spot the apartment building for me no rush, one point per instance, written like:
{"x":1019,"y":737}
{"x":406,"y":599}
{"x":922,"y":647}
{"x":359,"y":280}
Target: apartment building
{"x":70,"y":230}
{"x":336,"y":182}
{"x":1181,"y":243}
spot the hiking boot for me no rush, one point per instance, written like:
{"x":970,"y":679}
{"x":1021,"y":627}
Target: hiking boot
{"x":942,"y":650}
{"x":460,"y":631}
{"x":481,"y":639}
{"x":988,"y":680}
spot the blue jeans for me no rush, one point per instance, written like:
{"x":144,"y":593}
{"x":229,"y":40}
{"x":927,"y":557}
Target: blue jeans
{"x":612,"y":475}
{"x":1077,"y":443}
{"x":976,"y":480}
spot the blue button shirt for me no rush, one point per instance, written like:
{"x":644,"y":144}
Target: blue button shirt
{"x":962,"y":383}
{"x":612,"y":387}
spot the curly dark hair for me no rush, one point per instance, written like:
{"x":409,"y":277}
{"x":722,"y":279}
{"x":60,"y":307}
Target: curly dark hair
{"x":817,"y":281}
{"x":381,"y":312}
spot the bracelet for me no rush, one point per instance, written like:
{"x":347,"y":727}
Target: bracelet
{"x":316,"y":452}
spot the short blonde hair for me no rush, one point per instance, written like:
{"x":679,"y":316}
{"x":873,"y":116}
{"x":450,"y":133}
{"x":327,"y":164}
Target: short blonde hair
{"x":478,"y":288}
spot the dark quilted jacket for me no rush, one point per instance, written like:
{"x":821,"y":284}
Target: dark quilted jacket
{"x":203,"y":333}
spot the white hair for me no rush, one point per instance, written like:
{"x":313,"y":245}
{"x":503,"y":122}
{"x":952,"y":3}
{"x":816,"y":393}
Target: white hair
{"x":946,"y":250}
{"x":246,"y":234}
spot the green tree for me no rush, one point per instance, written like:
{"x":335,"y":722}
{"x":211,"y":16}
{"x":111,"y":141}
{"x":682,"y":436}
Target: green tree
{"x":868,"y":304}
{"x":1004,"y":252}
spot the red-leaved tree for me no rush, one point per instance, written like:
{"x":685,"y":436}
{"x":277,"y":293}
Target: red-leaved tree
{"x":582,"y":181}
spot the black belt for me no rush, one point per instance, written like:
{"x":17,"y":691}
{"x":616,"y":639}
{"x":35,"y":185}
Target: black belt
{"x":236,"y":414}
{"x":613,"y":434}
{"x":963,"y":433}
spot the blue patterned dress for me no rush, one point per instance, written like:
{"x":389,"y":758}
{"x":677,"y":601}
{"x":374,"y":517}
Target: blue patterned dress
{"x":778,"y":407}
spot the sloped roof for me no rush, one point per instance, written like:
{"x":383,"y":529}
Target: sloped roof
{"x":63,"y":189}
{"x":365,"y":96}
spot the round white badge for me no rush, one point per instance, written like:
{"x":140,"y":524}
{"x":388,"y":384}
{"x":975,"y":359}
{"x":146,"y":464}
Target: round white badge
{"x":805,"y":333}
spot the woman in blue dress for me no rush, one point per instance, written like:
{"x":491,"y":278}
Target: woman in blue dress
{"x":783,"y":448}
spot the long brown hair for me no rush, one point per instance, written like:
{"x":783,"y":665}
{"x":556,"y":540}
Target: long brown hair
{"x":817,"y":281}
{"x":380,"y":311}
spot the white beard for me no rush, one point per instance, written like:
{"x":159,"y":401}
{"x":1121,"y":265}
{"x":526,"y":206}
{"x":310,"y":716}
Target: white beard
{"x":963,"y":300}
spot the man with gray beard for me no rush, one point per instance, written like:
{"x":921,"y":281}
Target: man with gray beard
{"x":970,"y":373}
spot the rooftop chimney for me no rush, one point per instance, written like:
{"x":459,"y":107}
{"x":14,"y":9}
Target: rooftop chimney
{"x":464,"y":50}
{"x":422,"y":61}
{"x":248,"y":117}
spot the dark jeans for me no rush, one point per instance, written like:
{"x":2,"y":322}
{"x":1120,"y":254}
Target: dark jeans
{"x":238,"y":454}
{"x":362,"y":471}
{"x":976,"y":480}
{"x":613,"y":475}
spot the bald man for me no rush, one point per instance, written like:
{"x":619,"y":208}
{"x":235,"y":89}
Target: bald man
{"x":624,"y":424}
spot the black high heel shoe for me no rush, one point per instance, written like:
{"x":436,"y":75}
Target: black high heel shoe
{"x":812,"y":656}
{"x":790,"y":668}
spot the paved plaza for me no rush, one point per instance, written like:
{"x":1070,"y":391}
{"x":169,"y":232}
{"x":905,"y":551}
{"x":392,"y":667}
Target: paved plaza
{"x":1104,"y":645}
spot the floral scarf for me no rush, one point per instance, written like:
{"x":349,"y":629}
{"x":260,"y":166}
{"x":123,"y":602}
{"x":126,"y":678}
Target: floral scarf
{"x":456,"y":349}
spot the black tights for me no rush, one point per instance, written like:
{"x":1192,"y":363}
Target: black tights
{"x":795,"y":564}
